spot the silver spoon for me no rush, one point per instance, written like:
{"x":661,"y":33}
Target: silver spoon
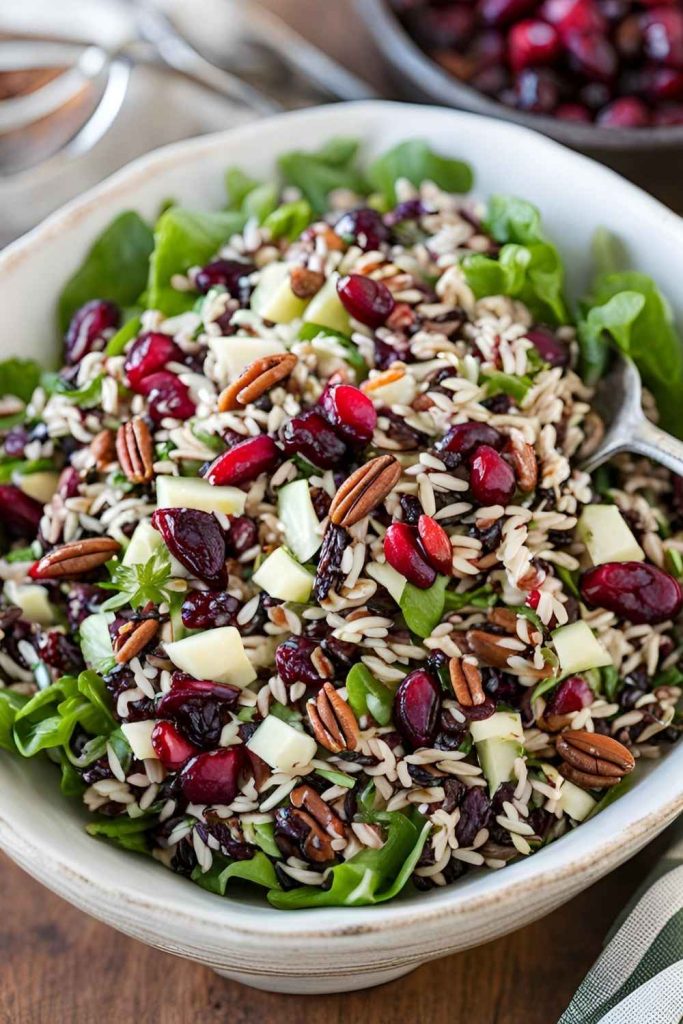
{"x":618,"y":402}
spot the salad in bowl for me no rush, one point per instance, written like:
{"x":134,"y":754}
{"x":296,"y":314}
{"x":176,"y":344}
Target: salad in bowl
{"x":304,"y":585}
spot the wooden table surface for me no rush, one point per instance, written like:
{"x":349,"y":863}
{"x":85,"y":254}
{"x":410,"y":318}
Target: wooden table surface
{"x":58,"y":966}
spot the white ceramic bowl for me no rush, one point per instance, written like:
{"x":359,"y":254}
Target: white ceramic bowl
{"x":328,"y":949}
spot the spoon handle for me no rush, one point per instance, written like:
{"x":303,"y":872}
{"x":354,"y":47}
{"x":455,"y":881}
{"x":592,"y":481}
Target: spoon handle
{"x":657,"y":445}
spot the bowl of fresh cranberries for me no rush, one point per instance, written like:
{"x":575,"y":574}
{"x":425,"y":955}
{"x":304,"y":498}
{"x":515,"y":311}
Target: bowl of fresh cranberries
{"x":596,"y":74}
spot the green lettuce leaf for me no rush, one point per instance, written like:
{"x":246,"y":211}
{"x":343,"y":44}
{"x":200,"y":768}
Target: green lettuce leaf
{"x":129,"y":833}
{"x":368,"y":696}
{"x":416,"y":161}
{"x":10,"y":703}
{"x":19,"y":377}
{"x":258,"y":870}
{"x":238,"y":185}
{"x":115,"y":268}
{"x":49,"y":718}
{"x":184,"y":239}
{"x":319,"y":172}
{"x":289,"y":220}
{"x":422,"y":609}
{"x":117,"y":344}
{"x":372,"y":876}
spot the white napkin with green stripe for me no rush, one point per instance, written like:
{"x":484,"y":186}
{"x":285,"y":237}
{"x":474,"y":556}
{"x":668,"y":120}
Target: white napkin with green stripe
{"x":638,"y":978}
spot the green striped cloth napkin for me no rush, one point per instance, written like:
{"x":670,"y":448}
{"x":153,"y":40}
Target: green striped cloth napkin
{"x":638,"y":978}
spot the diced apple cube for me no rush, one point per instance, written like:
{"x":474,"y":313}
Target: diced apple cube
{"x":281,"y":576}
{"x":574,"y":801}
{"x":607,"y":535}
{"x":387,"y":577}
{"x":282,"y":746}
{"x":215,"y":654}
{"x":326,"y":309}
{"x":33,"y":601}
{"x":234,"y":353}
{"x":499,"y":740}
{"x":40,"y":486}
{"x":139,"y":736}
{"x":298,"y":518}
{"x":578,"y":649}
{"x":191,"y":492}
{"x":273,"y":298}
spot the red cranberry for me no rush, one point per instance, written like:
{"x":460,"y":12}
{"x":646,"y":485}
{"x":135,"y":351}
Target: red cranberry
{"x":403,"y":554}
{"x":532,"y":42}
{"x":436,"y":544}
{"x":502,"y":12}
{"x":244,"y":462}
{"x":571,"y":695}
{"x":363,"y":227}
{"x":60,"y":652}
{"x":624,"y":112}
{"x":213,"y":777}
{"x":417,"y":706}
{"x":184,"y":689}
{"x":312,"y":436}
{"x":88,"y":327}
{"x":573,"y":16}
{"x":171,"y":747}
{"x":663,"y":36}
{"x":196,"y":540}
{"x":229,"y":274}
{"x":635,"y":590}
{"x":206,"y":609}
{"x":463,"y":439}
{"x":19,"y":513}
{"x":549,"y":346}
{"x":148,"y":354}
{"x":537,"y":90}
{"x":660,"y":83}
{"x":350,"y":412}
{"x":532,"y":599}
{"x":293,"y":661}
{"x":492,"y":481}
{"x":167,"y":396}
{"x":367,"y":300}
{"x":592,"y":55}
{"x":573,"y":112}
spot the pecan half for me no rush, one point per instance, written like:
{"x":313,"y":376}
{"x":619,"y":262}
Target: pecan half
{"x":255,"y":379}
{"x":132,"y":638}
{"x":305,"y":798}
{"x":103,"y":448}
{"x":75,"y":558}
{"x":135,"y":450}
{"x":523,"y":459}
{"x":332,"y":720}
{"x":503,"y":617}
{"x":304,"y":282}
{"x":593,"y":761}
{"x":466,"y":682}
{"x":487,"y":648}
{"x":364,"y":490}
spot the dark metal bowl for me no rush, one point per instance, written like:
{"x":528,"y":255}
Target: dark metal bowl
{"x":419,"y":77}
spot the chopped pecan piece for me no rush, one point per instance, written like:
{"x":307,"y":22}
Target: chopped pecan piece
{"x":332,"y":720}
{"x":135,"y":450}
{"x":133,"y":637}
{"x":523,"y":459}
{"x":103,"y":448}
{"x":364,"y":490}
{"x":304,"y":282}
{"x":506,"y":618}
{"x":305,"y":798}
{"x":487,"y":647}
{"x":466,"y":682}
{"x":75,"y":559}
{"x":593,"y":761}
{"x":255,"y":379}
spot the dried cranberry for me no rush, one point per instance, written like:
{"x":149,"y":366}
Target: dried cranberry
{"x":635,"y":590}
{"x":436,"y":544}
{"x":196,"y":540}
{"x":663,"y":36}
{"x":328,"y":573}
{"x":243,"y":535}
{"x":61,"y":653}
{"x":501,"y":12}
{"x":410,"y":209}
{"x":88,"y":327}
{"x":661,"y":83}
{"x":206,"y":609}
{"x":624,"y":112}
{"x":213,"y":777}
{"x":573,"y":16}
{"x":532,"y":42}
{"x":15,"y":441}
{"x":19,"y":513}
{"x":404,"y":555}
{"x":411,"y":508}
{"x":475,"y":814}
{"x":571,"y":695}
{"x":148,"y":354}
{"x":417,"y":706}
{"x":244,"y":462}
{"x":294,"y":664}
{"x":592,"y":55}
{"x":83,"y":599}
{"x":362,"y":227}
{"x":463,"y":439}
{"x":229,"y":274}
{"x":367,"y":300}
{"x":312,"y":436}
{"x":492,"y":481}
{"x":537,"y":90}
{"x":350,"y":412}
{"x":167,"y":396}
{"x":171,"y":747}
{"x":199,"y":707}
{"x":549,"y":346}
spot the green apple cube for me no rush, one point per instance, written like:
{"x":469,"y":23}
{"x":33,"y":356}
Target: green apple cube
{"x":387,"y":577}
{"x":33,"y":601}
{"x":139,"y":736}
{"x":142,"y":544}
{"x":281,"y":746}
{"x":215,"y":654}
{"x":40,"y":486}
{"x":499,"y":740}
{"x":283,"y":577}
{"x":578,"y":649}
{"x":326,"y":309}
{"x":607,"y":535}
{"x":574,"y":801}
{"x":234,"y":353}
{"x":299,"y":521}
{"x":273,"y":298}
{"x":191,"y":492}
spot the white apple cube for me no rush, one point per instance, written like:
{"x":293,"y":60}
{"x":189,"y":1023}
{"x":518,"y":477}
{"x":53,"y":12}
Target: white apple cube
{"x":326,"y":309}
{"x":282,"y":746}
{"x":281,"y":576}
{"x":574,"y":801}
{"x":299,"y":521}
{"x":139,"y":736}
{"x":40,"y":486}
{"x":33,"y":601}
{"x":607,"y":535}
{"x":234,"y":353}
{"x":273,"y":298}
{"x":142,"y":544}
{"x":578,"y":649}
{"x":192,"y":492}
{"x":215,"y":654}
{"x":387,"y":577}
